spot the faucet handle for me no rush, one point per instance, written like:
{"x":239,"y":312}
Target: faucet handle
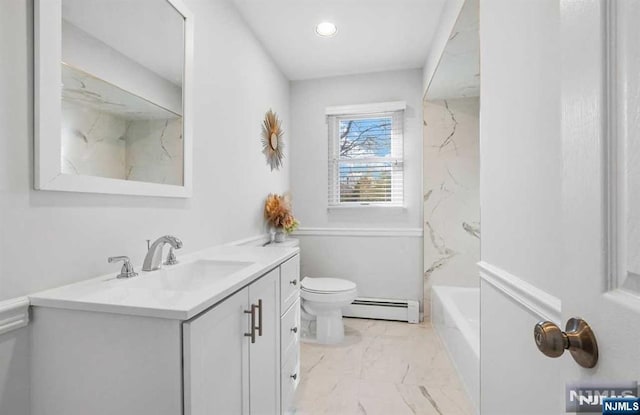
{"x":127,"y":270}
{"x":171,"y":258}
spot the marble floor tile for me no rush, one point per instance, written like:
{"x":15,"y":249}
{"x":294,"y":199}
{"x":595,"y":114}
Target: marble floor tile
{"x":327,"y":394}
{"x":382,"y":367}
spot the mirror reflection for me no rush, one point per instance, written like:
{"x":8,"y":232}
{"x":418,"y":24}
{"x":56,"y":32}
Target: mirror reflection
{"x":122,"y":74}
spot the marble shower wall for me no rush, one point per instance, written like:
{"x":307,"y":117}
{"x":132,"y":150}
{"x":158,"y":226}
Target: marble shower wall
{"x":97,"y":143}
{"x":451,"y":194}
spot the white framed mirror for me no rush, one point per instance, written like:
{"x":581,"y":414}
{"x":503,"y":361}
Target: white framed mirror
{"x":112,"y":97}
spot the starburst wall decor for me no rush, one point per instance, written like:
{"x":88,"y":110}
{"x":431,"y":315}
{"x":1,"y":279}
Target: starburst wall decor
{"x":272,"y":143}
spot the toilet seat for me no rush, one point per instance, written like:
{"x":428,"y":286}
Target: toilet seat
{"x":327,"y":290}
{"x":326,"y":285}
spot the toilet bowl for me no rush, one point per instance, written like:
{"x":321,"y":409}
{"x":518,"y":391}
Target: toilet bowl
{"x":322,"y":302}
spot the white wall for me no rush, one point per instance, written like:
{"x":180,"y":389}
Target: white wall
{"x":451,"y":193}
{"x":388,"y":267}
{"x":49,"y":239}
{"x":520,"y":178}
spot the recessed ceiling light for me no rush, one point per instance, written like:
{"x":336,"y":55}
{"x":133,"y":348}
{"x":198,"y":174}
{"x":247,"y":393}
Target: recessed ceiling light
{"x":326,"y":29}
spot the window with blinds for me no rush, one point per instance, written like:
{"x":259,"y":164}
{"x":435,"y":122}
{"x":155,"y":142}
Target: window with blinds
{"x":365,"y":155}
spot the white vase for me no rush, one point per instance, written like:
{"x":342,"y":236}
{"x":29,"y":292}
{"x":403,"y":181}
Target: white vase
{"x":280,"y":235}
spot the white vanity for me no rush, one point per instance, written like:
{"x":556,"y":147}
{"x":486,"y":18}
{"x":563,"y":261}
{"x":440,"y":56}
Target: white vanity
{"x":217,"y":333}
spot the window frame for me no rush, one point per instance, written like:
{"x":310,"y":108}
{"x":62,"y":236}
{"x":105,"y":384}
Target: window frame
{"x":393,"y":110}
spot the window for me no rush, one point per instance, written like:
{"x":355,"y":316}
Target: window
{"x":365,"y":155}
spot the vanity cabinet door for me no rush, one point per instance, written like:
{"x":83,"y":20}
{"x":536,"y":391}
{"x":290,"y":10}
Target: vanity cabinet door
{"x":216,"y":359}
{"x":264,"y":354}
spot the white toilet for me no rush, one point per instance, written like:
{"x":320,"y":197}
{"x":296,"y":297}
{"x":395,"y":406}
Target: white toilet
{"x":322,"y":302}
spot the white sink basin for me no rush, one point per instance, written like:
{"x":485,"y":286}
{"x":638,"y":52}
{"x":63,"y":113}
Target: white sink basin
{"x":190,"y":276}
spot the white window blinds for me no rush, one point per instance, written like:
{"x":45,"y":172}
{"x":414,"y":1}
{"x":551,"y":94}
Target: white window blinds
{"x":366,"y":155}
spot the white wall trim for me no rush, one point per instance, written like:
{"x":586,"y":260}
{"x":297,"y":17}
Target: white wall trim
{"x":372,"y":232}
{"x":540,"y":303}
{"x":14,"y":314}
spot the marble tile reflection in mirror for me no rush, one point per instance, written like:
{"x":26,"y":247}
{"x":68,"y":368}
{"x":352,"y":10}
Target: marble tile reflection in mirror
{"x":122,"y":75}
{"x":108,"y":132}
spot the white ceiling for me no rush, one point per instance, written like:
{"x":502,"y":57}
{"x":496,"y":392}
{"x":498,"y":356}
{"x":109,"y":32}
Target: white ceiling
{"x":373,"y":35}
{"x":458,"y":73}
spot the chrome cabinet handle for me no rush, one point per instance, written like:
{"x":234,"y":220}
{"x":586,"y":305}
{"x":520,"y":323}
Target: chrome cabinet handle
{"x":294,"y":376}
{"x":294,"y":329}
{"x":259,"y":307}
{"x":293,"y":282}
{"x":252,"y":334}
{"x":578,"y":338}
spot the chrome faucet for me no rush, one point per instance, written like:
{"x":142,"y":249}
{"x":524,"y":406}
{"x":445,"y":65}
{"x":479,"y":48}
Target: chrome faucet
{"x":153,"y":259}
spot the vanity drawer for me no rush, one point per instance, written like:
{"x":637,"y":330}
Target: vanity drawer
{"x":290,"y":330}
{"x":289,"y":282}
{"x":289,"y":382}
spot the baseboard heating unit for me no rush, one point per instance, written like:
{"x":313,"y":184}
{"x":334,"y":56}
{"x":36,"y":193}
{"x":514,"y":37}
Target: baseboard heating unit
{"x":384,"y":309}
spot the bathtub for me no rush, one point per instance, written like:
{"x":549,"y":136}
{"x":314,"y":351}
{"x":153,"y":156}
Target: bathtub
{"x":455,"y":313}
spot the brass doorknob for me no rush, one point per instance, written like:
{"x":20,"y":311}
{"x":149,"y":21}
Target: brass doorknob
{"x":578,"y":338}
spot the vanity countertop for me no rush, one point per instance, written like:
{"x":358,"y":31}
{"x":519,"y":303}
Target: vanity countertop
{"x":160,"y":294}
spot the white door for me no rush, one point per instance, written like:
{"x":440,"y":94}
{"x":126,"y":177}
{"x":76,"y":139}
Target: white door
{"x":601,"y":183}
{"x":216,"y":359}
{"x":264,"y":354}
{"x":559,"y":113}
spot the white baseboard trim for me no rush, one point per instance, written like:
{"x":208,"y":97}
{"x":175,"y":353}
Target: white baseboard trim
{"x":14,"y":314}
{"x":362,"y":232}
{"x":253,"y":240}
{"x":540,"y":303}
